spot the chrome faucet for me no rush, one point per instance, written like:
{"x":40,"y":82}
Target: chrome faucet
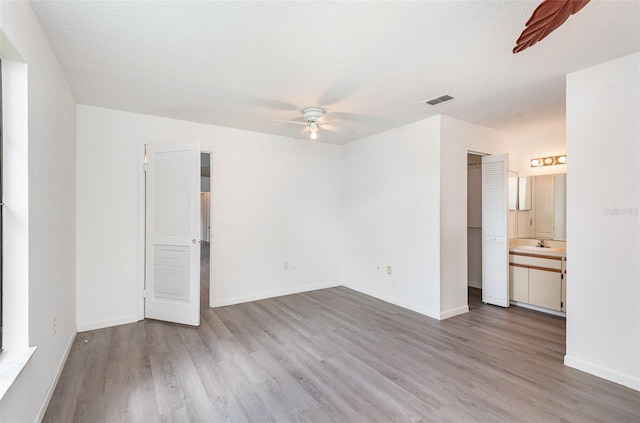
{"x":541,"y":244}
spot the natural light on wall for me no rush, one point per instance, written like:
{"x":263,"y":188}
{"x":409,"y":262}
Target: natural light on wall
{"x":549,"y":161}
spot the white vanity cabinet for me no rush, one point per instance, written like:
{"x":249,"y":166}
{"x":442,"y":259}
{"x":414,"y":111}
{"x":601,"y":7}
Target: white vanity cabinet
{"x":519,"y":284}
{"x":537,"y":280}
{"x":545,"y":289}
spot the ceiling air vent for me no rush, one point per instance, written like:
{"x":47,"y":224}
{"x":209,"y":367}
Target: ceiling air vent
{"x":438,"y":100}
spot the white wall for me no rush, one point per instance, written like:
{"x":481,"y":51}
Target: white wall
{"x":603,"y":318}
{"x":405,"y":202}
{"x":51,"y":219}
{"x":533,"y":142}
{"x":457,"y":138}
{"x":274,"y":199}
{"x":391,"y":215}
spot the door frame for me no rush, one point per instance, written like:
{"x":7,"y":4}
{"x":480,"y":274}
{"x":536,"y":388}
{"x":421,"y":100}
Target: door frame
{"x":204,"y":148}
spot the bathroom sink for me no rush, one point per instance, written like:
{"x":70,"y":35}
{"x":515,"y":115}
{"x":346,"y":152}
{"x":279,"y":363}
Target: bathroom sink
{"x":539,"y":249}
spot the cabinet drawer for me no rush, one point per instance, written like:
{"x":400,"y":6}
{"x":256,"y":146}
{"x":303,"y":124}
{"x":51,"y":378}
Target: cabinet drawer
{"x":536,"y":261}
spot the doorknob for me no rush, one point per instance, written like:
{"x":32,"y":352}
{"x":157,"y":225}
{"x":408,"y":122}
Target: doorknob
{"x":193,"y":241}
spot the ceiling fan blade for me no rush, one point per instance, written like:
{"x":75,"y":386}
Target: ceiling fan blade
{"x":272,"y":104}
{"x":547,"y":17}
{"x":332,"y":128}
{"x":329,"y":116}
{"x":353,"y":117}
{"x":303,"y":135}
{"x":296,"y":122}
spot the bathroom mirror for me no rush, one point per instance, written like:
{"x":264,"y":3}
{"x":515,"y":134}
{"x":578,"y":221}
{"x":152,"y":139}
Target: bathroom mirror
{"x":524,"y":193}
{"x":513,"y":190}
{"x":519,"y":191}
{"x":547,"y":216}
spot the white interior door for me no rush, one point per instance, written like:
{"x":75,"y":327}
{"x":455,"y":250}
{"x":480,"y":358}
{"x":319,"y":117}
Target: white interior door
{"x":172,"y":277}
{"x":495,"y":241}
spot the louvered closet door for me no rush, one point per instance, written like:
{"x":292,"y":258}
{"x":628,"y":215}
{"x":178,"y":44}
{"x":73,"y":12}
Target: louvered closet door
{"x":495,"y":242}
{"x":172,"y":288}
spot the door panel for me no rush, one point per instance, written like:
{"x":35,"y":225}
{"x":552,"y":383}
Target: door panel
{"x":172,"y":278}
{"x":519,"y":284}
{"x":495,"y":242}
{"x":545,"y":289}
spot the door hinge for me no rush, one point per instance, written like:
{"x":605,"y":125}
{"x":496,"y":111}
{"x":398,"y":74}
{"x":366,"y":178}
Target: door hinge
{"x":144,"y":293}
{"x":145,"y":166}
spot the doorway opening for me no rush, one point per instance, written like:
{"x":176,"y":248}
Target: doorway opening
{"x":205,"y":230}
{"x":474,"y":230}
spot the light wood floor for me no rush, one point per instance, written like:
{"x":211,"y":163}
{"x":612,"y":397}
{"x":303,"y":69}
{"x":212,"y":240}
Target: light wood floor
{"x":334,"y":355}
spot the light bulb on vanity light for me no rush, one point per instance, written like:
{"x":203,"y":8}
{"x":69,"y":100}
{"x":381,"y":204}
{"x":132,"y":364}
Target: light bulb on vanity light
{"x":549,"y":161}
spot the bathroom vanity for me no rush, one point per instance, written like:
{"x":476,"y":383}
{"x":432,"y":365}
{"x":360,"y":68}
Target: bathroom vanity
{"x":537,"y":256}
{"x":538,"y":277}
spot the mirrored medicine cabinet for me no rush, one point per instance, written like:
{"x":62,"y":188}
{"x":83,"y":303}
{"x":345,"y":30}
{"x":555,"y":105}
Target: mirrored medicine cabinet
{"x":540,"y":204}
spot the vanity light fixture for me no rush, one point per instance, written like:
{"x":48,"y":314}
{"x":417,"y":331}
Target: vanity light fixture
{"x":549,"y":161}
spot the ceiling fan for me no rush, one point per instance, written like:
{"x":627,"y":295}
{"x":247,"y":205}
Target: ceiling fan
{"x":547,"y":17}
{"x":314,"y":118}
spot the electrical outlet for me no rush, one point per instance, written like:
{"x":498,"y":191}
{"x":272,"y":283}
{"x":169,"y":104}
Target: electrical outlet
{"x":53,"y":325}
{"x":286,"y":265}
{"x":388,"y":270}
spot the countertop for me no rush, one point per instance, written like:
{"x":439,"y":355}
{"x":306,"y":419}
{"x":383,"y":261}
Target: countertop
{"x":538,"y":251}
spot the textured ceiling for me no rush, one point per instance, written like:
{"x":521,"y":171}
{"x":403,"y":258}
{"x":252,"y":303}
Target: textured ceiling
{"x":242,"y":64}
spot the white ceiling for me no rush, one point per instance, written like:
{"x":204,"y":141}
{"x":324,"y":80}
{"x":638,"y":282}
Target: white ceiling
{"x":242,"y":64}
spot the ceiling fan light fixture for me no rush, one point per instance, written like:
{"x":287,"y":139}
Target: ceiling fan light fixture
{"x":313,"y":128}
{"x":313,"y":118}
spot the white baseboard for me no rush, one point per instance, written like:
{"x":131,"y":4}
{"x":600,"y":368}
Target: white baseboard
{"x":56,"y":378}
{"x":454,"y":312}
{"x":83,"y":327}
{"x":272,"y":294}
{"x":603,"y":372}
{"x":537,"y":308}
{"x":395,"y":301}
